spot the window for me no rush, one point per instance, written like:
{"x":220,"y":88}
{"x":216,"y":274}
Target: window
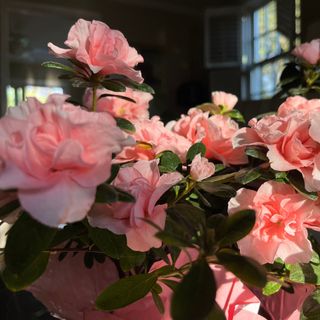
{"x":16,"y":95}
{"x":268,"y":34}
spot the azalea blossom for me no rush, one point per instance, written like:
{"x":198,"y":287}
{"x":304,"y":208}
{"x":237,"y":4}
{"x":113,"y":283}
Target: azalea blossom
{"x":104,"y":50}
{"x":144,"y":182}
{"x":56,"y":151}
{"x":308,"y":51}
{"x":152,"y":138}
{"x":201,"y":168}
{"x":215,"y":132}
{"x":224,"y":99}
{"x":282,"y":218}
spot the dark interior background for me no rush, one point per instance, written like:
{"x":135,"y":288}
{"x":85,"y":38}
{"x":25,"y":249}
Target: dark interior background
{"x":170,"y":34}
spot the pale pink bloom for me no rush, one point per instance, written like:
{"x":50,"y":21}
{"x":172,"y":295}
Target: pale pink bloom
{"x":153,"y":138}
{"x":215,"y":132}
{"x":292,"y":139}
{"x":284,"y":305}
{"x":201,"y":168}
{"x":119,"y":107}
{"x":57,"y":151}
{"x":104,"y":50}
{"x":282,"y":216}
{"x":297,"y":104}
{"x":308,"y":51}
{"x":144,"y":182}
{"x":226,"y":100}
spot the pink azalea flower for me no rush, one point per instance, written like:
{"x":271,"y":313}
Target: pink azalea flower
{"x":144,"y":182}
{"x":292,"y":138}
{"x":153,"y":138}
{"x":119,"y":107}
{"x":214,"y":132}
{"x":226,"y":100}
{"x":201,"y":168}
{"x":308,"y":51}
{"x":57,"y":151}
{"x":282,"y":216}
{"x":104,"y":50}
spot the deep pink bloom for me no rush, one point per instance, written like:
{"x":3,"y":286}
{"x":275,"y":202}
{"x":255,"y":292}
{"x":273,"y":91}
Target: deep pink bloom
{"x":119,"y":107}
{"x":144,"y":182}
{"x":56,"y":154}
{"x":224,"y":99}
{"x":214,"y":132}
{"x":104,"y":50}
{"x":282,"y":216}
{"x":201,"y":168}
{"x":308,"y":51}
{"x":152,"y":138}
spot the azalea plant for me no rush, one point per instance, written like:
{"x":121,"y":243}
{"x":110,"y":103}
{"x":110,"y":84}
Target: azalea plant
{"x":114,"y":215}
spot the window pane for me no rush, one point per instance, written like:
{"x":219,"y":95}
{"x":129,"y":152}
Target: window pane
{"x":41,"y":93}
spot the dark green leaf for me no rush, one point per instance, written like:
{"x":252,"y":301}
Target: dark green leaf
{"x":173,"y":239}
{"x":106,"y":95}
{"x":70,"y":231}
{"x":172,"y":284}
{"x":169,"y":161}
{"x":311,"y":307}
{"x":21,"y":280}
{"x":236,"y":227}
{"x":194,"y":297}
{"x":256,"y":152}
{"x":218,"y":189}
{"x":111,"y":244}
{"x":113,"y":86}
{"x":131,"y":259}
{"x":114,"y":172}
{"x":250,"y":176}
{"x":9,"y":208}
{"x":158,"y":301}
{"x":219,"y":167}
{"x":216,"y":313}
{"x":57,"y":65}
{"x":250,"y":271}
{"x":125,"y":291}
{"x":296,"y":180}
{"x":107,"y":193}
{"x":196,"y":149}
{"x":125,"y":125}
{"x":187,"y":214}
{"x":124,"y":196}
{"x":26,"y":240}
{"x":216,"y":221}
{"x":271,"y":288}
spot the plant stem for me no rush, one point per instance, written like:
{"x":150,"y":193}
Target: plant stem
{"x":94,"y":99}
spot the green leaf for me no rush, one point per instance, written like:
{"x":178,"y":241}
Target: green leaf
{"x":23,"y":279}
{"x":158,"y":301}
{"x":9,"y":208}
{"x":194,"y":296}
{"x":311,"y":307}
{"x":235,"y":114}
{"x":236,"y":227}
{"x":219,"y":167}
{"x":69,"y":232}
{"x":125,"y":125}
{"x":216,"y":313}
{"x":218,"y":189}
{"x":296,"y":180}
{"x":172,"y":239}
{"x":257,"y":152}
{"x":111,"y":244}
{"x":250,"y":176}
{"x":26,"y":240}
{"x":57,"y":65}
{"x":125,"y":291}
{"x":250,"y":271}
{"x":106,"y":95}
{"x":172,"y":284}
{"x":304,"y":272}
{"x":113,"y":86}
{"x":131,"y":259}
{"x":216,"y":221}
{"x":169,"y":161}
{"x":196,"y":149}
{"x":107,"y":193}
{"x":114,"y":172}
{"x":271,"y":288}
